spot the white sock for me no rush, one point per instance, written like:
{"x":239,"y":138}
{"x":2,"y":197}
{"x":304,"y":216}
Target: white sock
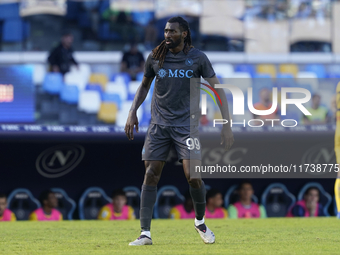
{"x":199,"y":222}
{"x":146,"y":233}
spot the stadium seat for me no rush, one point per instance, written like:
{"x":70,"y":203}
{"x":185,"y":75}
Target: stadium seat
{"x":242,"y":80}
{"x":289,"y":69}
{"x":132,"y":89}
{"x":142,"y":18}
{"x":224,"y":70}
{"x":167,"y":197}
{"x":245,"y":68}
{"x":84,"y":20}
{"x":266,"y":69}
{"x":66,"y":205}
{"x":69,"y":94}
{"x":139,"y":76}
{"x":324,"y":198}
{"x":21,"y":202}
{"x":104,"y":4}
{"x":94,"y":87}
{"x":308,"y":78}
{"x":232,"y":196}
{"x":53,"y":83}
{"x":83,"y":69}
{"x":121,"y":78}
{"x":284,"y":76}
{"x":99,"y":78}
{"x":73,"y":8}
{"x":319,"y":70}
{"x":277,"y":200}
{"x":14,"y":30}
{"x":108,"y":112}
{"x":89,"y":101}
{"x":90,"y":203}
{"x":113,"y":98}
{"x":117,"y":88}
{"x":9,"y":11}
{"x":39,"y":72}
{"x":124,"y":112}
{"x":133,"y":198}
{"x":76,"y":78}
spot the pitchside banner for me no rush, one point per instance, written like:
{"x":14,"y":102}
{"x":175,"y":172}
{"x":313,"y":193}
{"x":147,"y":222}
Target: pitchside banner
{"x":253,"y":104}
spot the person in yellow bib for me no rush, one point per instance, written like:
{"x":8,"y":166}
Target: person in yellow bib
{"x":320,"y":113}
{"x":48,"y":211}
{"x":118,"y":209}
{"x":337,"y":150}
{"x":5,"y":214}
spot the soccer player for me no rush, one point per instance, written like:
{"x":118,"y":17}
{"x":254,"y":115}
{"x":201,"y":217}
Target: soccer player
{"x":173,"y":63}
{"x":47,"y":212}
{"x":245,"y":207}
{"x":5,"y":214}
{"x":117,"y":210}
{"x":309,"y":206}
{"x":214,"y":209}
{"x":337,"y":150}
{"x":185,"y":210}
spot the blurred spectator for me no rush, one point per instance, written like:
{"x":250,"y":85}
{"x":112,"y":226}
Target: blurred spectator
{"x":133,"y":61}
{"x":308,"y":206}
{"x":118,"y":210}
{"x":47,"y":212}
{"x":246,"y":208}
{"x":183,"y":211}
{"x":320,"y":114}
{"x":265,"y":104}
{"x":333,"y":110}
{"x":121,"y":22}
{"x":5,"y":214}
{"x":150,"y":35}
{"x":214,"y":207}
{"x":61,"y":57}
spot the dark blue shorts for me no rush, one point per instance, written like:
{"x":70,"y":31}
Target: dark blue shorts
{"x":159,"y":139}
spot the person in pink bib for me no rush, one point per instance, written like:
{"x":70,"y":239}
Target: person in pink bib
{"x":185,"y":210}
{"x":214,"y":209}
{"x":309,"y":206}
{"x":47,"y":212}
{"x":245,"y":207}
{"x":5,"y":214}
{"x":118,"y":209}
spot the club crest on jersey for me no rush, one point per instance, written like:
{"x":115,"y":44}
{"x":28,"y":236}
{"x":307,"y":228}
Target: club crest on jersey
{"x":161,"y":73}
{"x":189,"y":62}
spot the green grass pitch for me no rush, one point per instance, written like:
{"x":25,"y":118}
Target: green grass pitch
{"x":246,"y":236}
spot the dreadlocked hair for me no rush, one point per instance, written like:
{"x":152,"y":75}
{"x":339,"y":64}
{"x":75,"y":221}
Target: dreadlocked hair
{"x":161,"y":50}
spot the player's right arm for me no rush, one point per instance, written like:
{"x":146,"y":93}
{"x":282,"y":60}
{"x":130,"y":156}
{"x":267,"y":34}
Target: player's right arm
{"x":140,"y":96}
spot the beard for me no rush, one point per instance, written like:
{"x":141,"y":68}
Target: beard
{"x":174,"y":44}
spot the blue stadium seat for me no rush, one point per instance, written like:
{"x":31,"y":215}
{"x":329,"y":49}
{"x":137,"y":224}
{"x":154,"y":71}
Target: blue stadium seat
{"x":9,"y":11}
{"x":232,"y":196}
{"x":139,"y":76}
{"x":125,"y":76}
{"x":324,"y":198}
{"x":66,"y":205}
{"x":142,"y":18}
{"x":69,"y":94}
{"x":133,"y":198}
{"x":104,"y":4}
{"x":73,"y":8}
{"x":15,"y":30}
{"x":94,"y":87}
{"x":21,"y":202}
{"x":319,"y":70}
{"x":244,"y":68}
{"x":167,"y":197}
{"x":53,"y":83}
{"x":115,"y":98}
{"x":284,"y":76}
{"x":277,"y":200}
{"x":333,"y":75}
{"x":104,"y":32}
{"x":84,"y":20}
{"x":90,"y":203}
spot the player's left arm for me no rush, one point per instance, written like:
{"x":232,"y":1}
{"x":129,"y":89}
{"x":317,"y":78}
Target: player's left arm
{"x":227,"y":137}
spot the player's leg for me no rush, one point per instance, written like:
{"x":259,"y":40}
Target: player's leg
{"x":198,"y":193}
{"x":153,"y":170}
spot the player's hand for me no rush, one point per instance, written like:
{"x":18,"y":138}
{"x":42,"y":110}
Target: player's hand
{"x":131,"y":122}
{"x":227,"y":138}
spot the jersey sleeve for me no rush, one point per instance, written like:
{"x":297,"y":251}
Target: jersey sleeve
{"x":263,"y":213}
{"x":206,"y":69}
{"x":33,"y":216}
{"x":104,"y":213}
{"x":174,"y":213}
{"x":132,"y":215}
{"x":13,"y":218}
{"x":148,"y":69}
{"x":232,"y":212}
